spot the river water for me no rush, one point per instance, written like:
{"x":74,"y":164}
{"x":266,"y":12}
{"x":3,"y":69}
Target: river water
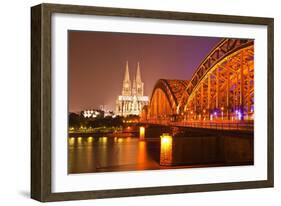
{"x":105,"y":154}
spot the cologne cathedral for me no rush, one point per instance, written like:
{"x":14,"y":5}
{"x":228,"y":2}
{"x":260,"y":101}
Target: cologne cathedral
{"x":132,"y":99}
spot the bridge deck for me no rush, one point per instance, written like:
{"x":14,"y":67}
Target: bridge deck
{"x":218,"y":125}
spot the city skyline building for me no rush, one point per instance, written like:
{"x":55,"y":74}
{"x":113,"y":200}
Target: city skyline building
{"x":132,"y":99}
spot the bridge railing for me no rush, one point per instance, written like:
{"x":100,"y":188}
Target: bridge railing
{"x":219,"y":125}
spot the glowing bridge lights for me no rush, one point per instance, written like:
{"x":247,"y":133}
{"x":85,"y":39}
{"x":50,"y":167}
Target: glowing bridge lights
{"x":238,"y":114}
{"x":142,"y":133}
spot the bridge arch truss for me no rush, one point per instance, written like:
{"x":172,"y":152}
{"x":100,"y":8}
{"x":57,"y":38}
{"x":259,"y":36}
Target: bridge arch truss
{"x":222,"y":87}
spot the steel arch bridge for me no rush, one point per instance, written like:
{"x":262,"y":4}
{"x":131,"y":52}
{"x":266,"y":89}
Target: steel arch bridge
{"x":165,"y":98}
{"x":221,"y":88}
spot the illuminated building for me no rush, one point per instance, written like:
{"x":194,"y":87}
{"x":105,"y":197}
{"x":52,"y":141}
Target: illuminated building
{"x":93,"y":113}
{"x":132,"y":99}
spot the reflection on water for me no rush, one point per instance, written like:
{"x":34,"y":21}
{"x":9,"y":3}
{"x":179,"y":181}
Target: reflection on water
{"x":103,"y":154}
{"x":71,"y":140}
{"x":141,"y":155}
{"x":166,"y":149}
{"x":103,"y":140}
{"x":90,"y":139}
{"x":97,"y":154}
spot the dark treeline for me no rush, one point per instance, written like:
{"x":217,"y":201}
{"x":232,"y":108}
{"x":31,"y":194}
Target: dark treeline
{"x":78,"y":120}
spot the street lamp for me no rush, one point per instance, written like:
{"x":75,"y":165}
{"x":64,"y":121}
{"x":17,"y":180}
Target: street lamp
{"x":222,"y":112}
{"x":204,"y":112}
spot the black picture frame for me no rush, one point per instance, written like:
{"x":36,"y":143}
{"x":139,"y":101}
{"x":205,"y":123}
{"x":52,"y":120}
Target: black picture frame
{"x":41,"y":115}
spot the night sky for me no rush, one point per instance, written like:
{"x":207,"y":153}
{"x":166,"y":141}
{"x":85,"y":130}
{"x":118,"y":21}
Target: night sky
{"x":97,"y":62}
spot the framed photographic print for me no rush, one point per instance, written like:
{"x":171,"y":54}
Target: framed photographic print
{"x":132,"y":102}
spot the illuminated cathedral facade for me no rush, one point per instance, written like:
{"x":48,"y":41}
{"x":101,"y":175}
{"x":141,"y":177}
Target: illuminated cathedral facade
{"x":132,"y":99}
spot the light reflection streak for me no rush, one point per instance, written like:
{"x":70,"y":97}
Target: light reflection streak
{"x":71,"y":141}
{"x":90,"y":139}
{"x":166,"y":149}
{"x":79,"y":140}
{"x":103,"y":140}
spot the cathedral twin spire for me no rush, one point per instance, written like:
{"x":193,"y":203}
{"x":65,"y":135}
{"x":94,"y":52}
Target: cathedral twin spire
{"x":137,"y":88}
{"x":138,"y":75}
{"x":132,"y":100}
{"x":127,"y":75}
